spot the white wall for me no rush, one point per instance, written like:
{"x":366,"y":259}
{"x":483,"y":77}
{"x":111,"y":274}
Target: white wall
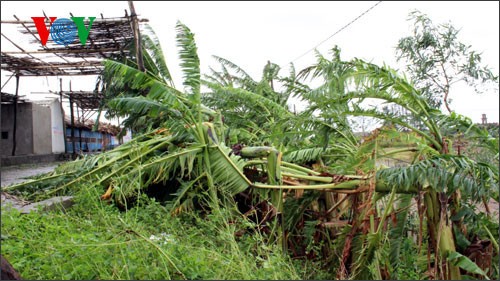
{"x":57,"y":127}
{"x":128,"y":136}
{"x":42,"y":139}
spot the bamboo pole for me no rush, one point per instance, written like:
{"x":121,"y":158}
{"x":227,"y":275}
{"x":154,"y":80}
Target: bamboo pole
{"x":93,"y":72}
{"x":72,"y":125}
{"x":137,"y":36}
{"x":79,"y":129}
{"x":98,"y":21}
{"x":63,"y":51}
{"x":15,"y":117}
{"x":8,"y":80}
{"x":59,"y":65}
{"x":62,"y":116}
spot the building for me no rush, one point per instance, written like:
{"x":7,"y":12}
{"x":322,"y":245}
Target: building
{"x":85,"y":139}
{"x":492,"y":127}
{"x":38,"y":128}
{"x":34,"y":131}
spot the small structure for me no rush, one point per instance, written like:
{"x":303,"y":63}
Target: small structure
{"x":39,"y":130}
{"x":492,"y":127}
{"x":484,"y":120}
{"x":486,"y":124}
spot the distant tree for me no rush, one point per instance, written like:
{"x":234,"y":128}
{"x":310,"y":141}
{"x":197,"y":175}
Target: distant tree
{"x":436,"y":60}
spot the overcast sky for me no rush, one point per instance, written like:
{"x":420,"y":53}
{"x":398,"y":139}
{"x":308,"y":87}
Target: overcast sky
{"x":251,"y":33}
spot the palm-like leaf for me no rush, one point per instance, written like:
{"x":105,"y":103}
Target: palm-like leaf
{"x":243,"y":77}
{"x":153,"y":48}
{"x":227,"y":170}
{"x":445,"y":173}
{"x":396,"y":234}
{"x":190,"y":63}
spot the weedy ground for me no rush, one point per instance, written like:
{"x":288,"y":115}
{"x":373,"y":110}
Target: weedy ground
{"x":94,"y":240}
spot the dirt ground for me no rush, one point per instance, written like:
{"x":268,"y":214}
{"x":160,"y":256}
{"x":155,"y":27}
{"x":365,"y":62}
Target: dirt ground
{"x":15,"y":174}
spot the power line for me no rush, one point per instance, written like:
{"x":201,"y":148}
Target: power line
{"x":344,"y":27}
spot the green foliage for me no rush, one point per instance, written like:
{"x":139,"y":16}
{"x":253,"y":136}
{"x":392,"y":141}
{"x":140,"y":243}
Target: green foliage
{"x":445,"y":173}
{"x":154,"y":57}
{"x":254,"y":108}
{"x":411,"y":265}
{"x":93,"y":240}
{"x":465,"y":263}
{"x":305,"y":155}
{"x":190,"y":63}
{"x":184,"y":153}
{"x":436,"y":60}
{"x":228,"y":170}
{"x":397,"y":233}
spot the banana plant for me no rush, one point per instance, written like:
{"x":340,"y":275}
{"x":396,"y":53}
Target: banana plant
{"x":255,"y":111}
{"x":434,"y":171}
{"x":437,"y":172}
{"x":186,"y":144}
{"x":186,"y":133}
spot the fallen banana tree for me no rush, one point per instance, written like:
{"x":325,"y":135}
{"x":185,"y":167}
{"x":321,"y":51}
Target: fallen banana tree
{"x":159,"y":156}
{"x":188,"y":159}
{"x":192,"y":169}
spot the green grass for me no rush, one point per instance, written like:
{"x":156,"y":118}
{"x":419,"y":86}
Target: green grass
{"x":94,"y":240}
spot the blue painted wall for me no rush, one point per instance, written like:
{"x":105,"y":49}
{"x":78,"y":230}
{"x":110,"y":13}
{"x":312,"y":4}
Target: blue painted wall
{"x":91,"y":141}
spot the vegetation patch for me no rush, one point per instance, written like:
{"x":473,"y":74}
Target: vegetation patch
{"x":223,"y":180}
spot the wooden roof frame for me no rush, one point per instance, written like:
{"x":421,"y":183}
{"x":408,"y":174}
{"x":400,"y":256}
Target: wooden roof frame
{"x":108,"y":38}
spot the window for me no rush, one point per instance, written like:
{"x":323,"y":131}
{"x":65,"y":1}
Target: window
{"x":5,"y":135}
